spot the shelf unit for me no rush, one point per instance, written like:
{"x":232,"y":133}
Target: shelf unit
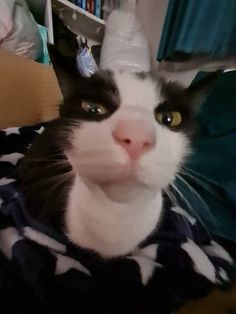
{"x":42,"y":12}
{"x":85,"y":23}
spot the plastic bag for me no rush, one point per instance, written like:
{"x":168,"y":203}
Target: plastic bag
{"x":44,"y":58}
{"x":124,"y":45}
{"x":19,"y":31}
{"x":86,"y":63}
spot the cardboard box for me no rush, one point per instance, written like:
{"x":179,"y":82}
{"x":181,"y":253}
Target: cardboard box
{"x":29,"y":91}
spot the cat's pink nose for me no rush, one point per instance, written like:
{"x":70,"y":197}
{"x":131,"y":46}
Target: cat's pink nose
{"x":135,"y":136}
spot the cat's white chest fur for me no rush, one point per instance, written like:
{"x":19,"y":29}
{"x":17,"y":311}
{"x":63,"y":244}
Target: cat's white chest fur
{"x":95,"y":222}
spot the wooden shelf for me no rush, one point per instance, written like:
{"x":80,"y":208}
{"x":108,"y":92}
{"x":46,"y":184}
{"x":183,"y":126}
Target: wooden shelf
{"x":85,"y":23}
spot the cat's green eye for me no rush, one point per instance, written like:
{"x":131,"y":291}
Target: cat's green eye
{"x":170,"y":119}
{"x":94,"y":108}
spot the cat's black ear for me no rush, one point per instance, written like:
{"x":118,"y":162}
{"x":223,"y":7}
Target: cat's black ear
{"x":199,"y":90}
{"x":65,"y":69}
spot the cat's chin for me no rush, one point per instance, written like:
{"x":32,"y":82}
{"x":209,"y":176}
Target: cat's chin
{"x":123,"y":191}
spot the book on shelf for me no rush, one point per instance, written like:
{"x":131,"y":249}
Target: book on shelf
{"x":98,"y":8}
{"x":88,"y":6}
{"x":84,"y":4}
{"x":79,"y":3}
{"x":92,"y":6}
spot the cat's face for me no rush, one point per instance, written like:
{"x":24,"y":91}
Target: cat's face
{"x":129,"y":131}
{"x":130,"y":144}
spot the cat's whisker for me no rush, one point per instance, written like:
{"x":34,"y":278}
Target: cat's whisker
{"x":164,"y":162}
{"x":194,"y":178}
{"x":102,"y":163}
{"x":203,"y":178}
{"x":202,"y":184}
{"x":200,"y":175}
{"x":195,"y":194}
{"x":216,"y":158}
{"x":93,"y":153}
{"x":55,"y":181}
{"x":190,"y":207}
{"x":180,"y":194}
{"x":192,"y":190}
{"x":175,"y":202}
{"x":171,"y":196}
{"x":46,"y":161}
{"x":55,"y":156}
{"x":65,"y":173}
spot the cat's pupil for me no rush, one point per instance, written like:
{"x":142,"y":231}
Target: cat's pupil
{"x":167,"y":118}
{"x":93,"y":108}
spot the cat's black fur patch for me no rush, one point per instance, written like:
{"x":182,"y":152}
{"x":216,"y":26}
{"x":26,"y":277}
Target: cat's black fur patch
{"x":142,"y":75}
{"x":176,"y":98}
{"x":44,"y":174}
{"x":99,"y":88}
{"x":187,"y":101}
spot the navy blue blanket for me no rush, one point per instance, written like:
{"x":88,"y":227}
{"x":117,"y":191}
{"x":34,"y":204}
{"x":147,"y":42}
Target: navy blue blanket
{"x":42,"y":272}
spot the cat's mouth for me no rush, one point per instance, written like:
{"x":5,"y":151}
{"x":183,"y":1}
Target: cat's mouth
{"x":111,"y":174}
{"x":123,"y":191}
{"x":120,"y":184}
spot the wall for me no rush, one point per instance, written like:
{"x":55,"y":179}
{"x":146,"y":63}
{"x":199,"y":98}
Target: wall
{"x":37,"y":7}
{"x":152,"y":14}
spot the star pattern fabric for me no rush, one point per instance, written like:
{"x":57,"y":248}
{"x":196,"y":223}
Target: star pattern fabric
{"x":41,"y":271}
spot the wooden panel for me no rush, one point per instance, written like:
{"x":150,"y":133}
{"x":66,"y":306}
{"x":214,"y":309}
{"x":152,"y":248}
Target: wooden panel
{"x":29,"y":92}
{"x":218,"y":302}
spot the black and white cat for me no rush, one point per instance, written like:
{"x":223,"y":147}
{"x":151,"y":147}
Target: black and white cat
{"x":98,"y":172}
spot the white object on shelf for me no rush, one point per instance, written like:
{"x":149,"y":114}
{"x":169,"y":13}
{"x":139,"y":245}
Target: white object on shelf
{"x":85,"y":23}
{"x":48,"y":21}
{"x":125,"y":45}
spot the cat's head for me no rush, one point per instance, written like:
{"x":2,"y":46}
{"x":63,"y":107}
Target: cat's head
{"x":127,"y":130}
